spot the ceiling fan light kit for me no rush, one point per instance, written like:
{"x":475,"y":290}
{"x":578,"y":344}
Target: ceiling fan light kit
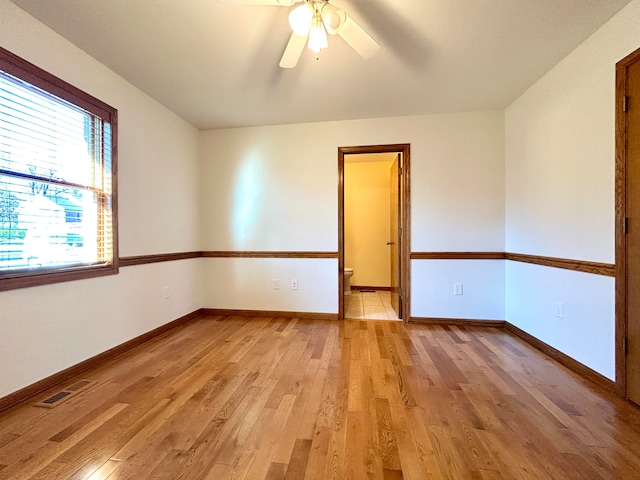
{"x":300,"y":19}
{"x":308,"y":20}
{"x":317,"y":35}
{"x":311,"y":22}
{"x":333,"y":18}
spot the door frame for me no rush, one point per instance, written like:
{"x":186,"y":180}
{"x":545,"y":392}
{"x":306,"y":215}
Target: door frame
{"x":621,"y":203}
{"x":404,"y":221}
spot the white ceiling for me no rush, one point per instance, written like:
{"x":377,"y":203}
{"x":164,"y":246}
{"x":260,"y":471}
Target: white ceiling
{"x":216,"y":65}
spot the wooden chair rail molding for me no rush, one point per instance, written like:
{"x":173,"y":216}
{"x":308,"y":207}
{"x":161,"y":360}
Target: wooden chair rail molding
{"x":157,"y":258}
{"x":267,"y":254}
{"x":167,"y":257}
{"x":458,"y":256}
{"x":596,"y":268}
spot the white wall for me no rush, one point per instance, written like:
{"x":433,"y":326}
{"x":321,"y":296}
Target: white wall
{"x":367,"y":211}
{"x":560,"y":194}
{"x":482,"y":287}
{"x":46,"y":329}
{"x":239,"y":284}
{"x":276,"y":188}
{"x":586,"y":330}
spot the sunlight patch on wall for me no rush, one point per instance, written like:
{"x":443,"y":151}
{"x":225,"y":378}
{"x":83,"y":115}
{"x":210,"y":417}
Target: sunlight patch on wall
{"x":246,"y":205}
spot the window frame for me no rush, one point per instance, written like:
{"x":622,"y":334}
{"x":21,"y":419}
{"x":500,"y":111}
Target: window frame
{"x":30,"y":73}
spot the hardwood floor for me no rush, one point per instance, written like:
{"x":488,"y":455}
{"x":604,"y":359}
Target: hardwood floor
{"x":255,"y":398}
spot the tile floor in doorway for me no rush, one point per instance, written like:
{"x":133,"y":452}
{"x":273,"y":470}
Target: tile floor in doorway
{"x":369,"y":305}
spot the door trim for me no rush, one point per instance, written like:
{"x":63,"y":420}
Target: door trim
{"x":404,"y":221}
{"x":620,"y":215}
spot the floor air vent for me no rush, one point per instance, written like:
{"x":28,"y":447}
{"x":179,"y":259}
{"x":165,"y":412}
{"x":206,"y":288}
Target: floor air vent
{"x":64,"y":394}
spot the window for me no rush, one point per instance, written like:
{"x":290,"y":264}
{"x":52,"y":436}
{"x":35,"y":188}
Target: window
{"x":58,"y":213}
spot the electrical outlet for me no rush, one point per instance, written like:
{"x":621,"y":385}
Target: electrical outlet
{"x":294,"y":284}
{"x":165,"y":292}
{"x":457,"y":289}
{"x":276,"y":283}
{"x":559,"y":310}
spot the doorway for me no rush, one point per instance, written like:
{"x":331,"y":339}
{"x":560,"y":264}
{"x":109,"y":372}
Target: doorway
{"x":628,"y":227}
{"x":396,"y":158}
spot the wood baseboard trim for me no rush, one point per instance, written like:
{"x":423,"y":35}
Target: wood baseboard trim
{"x":34,"y":389}
{"x":562,"y":358}
{"x":67,"y":374}
{"x":266,"y":313}
{"x":458,"y":322}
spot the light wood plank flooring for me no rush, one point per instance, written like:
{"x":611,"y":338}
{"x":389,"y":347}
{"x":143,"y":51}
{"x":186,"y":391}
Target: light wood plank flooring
{"x":248,"y":398}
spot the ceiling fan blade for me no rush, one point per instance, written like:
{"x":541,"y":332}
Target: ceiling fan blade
{"x":293,"y":51}
{"x":358,"y":39}
{"x":282,"y":3}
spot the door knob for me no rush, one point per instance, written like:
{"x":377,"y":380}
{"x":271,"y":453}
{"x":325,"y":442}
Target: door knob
{"x":390,"y":243}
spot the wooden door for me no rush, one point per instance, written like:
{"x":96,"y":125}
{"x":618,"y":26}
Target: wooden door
{"x":394,"y":236}
{"x":633,"y":231}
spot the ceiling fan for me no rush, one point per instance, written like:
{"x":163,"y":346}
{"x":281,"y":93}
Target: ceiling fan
{"x":311,"y":22}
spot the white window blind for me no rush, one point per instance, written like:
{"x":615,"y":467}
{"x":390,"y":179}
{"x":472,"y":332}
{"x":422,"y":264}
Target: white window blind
{"x":56,"y":182}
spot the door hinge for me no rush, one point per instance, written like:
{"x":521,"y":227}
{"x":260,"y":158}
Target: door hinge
{"x":400,"y":171}
{"x":625,"y":346}
{"x":625,"y":104}
{"x":400,"y":292}
{"x":399,"y":231}
{"x":625,"y":225}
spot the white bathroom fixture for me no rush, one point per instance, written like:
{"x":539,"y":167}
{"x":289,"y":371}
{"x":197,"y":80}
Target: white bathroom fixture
{"x":348,"y":273}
